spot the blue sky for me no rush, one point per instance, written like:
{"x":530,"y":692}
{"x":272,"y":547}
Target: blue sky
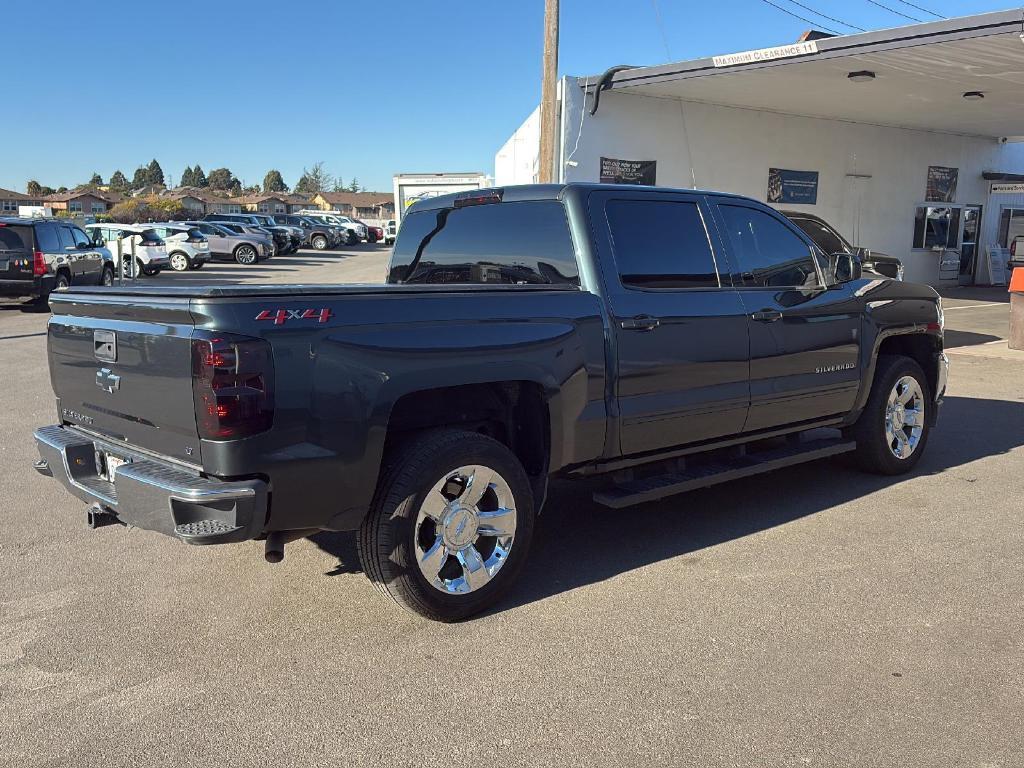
{"x":406,"y":86}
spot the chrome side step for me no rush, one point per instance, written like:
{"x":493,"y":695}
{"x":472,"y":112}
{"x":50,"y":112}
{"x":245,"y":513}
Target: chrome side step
{"x":719,"y":471}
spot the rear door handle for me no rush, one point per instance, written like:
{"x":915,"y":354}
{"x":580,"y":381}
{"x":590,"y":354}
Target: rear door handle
{"x":767,"y":316}
{"x":640,"y":323}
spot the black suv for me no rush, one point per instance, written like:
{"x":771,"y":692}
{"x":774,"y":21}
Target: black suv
{"x":38,"y":256}
{"x":831,"y":242}
{"x":318,"y":235}
{"x":282,"y":238}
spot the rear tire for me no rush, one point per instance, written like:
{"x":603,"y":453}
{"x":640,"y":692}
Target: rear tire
{"x":431,"y":515}
{"x":63,"y":281}
{"x":180,"y":262}
{"x":893,"y":430}
{"x":107,"y":278}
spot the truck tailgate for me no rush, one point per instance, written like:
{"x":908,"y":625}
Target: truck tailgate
{"x":123,"y":369}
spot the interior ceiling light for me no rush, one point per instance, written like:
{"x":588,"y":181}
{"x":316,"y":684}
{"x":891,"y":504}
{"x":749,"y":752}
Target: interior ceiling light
{"x":974,"y":95}
{"x":863,"y":76}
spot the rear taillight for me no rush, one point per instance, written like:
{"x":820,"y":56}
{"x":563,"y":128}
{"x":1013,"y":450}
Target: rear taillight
{"x":38,"y":264}
{"x":232,"y":385}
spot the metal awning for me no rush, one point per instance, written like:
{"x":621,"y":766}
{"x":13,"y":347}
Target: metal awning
{"x":920,"y":72}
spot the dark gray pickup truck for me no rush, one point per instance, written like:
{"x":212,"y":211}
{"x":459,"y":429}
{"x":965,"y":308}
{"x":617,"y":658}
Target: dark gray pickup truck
{"x":651,"y":340}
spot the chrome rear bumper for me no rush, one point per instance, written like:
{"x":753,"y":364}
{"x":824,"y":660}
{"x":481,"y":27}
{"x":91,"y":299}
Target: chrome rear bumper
{"x":153,"y":494}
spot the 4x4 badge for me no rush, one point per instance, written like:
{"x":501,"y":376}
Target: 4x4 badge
{"x":280,"y":316}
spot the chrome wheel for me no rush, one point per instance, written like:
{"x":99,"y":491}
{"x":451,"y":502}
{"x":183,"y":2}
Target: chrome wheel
{"x":904,"y":417}
{"x":179,"y":262}
{"x":319,"y":242}
{"x":245,"y":254}
{"x":465,"y":529}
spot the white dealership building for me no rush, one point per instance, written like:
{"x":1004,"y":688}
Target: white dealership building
{"x":909,"y":141}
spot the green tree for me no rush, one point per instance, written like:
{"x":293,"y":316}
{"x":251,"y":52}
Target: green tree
{"x":61,"y":190}
{"x":96,"y":180}
{"x":140,"y":178}
{"x":34,"y":188}
{"x":154,"y":173}
{"x":223,"y":179}
{"x":187,"y":178}
{"x":273,"y":182}
{"x":354,"y":186}
{"x":198,"y":177}
{"x":315,"y":179}
{"x":118,"y":181}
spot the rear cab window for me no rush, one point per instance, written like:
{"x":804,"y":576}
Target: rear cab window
{"x":660,"y":244}
{"x":513,"y":243}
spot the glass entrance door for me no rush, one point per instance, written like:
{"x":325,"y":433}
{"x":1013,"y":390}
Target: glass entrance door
{"x":970,"y":226}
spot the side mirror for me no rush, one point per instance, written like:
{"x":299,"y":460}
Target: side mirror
{"x":847,"y":266}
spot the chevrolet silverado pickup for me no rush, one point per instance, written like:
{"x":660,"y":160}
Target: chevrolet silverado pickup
{"x":648,"y":340}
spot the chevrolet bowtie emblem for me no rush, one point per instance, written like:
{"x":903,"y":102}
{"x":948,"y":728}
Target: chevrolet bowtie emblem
{"x":107,"y":380}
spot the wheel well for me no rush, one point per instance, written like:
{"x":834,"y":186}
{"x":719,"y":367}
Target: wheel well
{"x":918,"y":346}
{"x":512,"y":412}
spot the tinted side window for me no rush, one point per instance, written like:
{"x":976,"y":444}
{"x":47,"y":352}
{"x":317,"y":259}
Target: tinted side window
{"x":512,"y":243}
{"x":80,"y":238}
{"x":46,"y":238}
{"x":661,"y":244}
{"x":769,"y":253}
{"x":66,"y":240}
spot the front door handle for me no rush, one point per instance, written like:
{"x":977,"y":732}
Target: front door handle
{"x":767,"y":316}
{"x":640,"y":323}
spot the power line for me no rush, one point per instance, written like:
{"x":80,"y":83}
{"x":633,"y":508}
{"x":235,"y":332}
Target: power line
{"x":918,"y":7}
{"x":802,"y":18}
{"x":830,"y":18}
{"x":661,"y":28}
{"x":893,"y":10}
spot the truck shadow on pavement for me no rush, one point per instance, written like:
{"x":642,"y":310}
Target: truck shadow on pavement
{"x":577,"y":542}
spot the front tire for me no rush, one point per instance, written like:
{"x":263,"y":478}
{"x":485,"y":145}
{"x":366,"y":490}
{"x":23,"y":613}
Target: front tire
{"x":245,"y":254}
{"x":107,"y":278}
{"x":893,"y":430}
{"x":319,"y":242}
{"x":450,"y":524}
{"x":180,"y":262}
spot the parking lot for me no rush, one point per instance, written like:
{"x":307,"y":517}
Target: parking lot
{"x":812,"y":616}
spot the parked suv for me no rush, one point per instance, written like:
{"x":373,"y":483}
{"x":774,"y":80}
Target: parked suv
{"x":187,"y":246}
{"x":355,"y":231}
{"x":390,"y":232}
{"x":316,"y":234}
{"x":831,"y":242}
{"x":38,"y":256}
{"x":295,"y":234}
{"x":282,"y":238}
{"x":150,"y":251}
{"x":225,"y":243}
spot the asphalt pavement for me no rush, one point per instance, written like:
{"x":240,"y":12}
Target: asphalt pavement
{"x":815,"y":616}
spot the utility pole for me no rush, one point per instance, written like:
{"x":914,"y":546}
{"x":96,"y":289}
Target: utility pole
{"x":548,"y":105}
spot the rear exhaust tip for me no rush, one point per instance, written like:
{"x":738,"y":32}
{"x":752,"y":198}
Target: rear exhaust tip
{"x":274,"y":552}
{"x":96,"y":517}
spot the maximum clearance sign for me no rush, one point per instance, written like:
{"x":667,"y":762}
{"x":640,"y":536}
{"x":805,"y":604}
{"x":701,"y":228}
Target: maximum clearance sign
{"x":766,"y":54}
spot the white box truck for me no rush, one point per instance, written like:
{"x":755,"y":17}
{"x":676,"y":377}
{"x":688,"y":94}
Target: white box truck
{"x":410,"y":187}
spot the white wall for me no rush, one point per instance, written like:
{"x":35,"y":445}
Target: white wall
{"x":732,"y":150}
{"x":517,"y":161}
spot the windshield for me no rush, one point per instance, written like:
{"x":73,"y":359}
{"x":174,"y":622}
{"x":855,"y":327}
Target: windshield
{"x":150,"y":236}
{"x":822,"y":235}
